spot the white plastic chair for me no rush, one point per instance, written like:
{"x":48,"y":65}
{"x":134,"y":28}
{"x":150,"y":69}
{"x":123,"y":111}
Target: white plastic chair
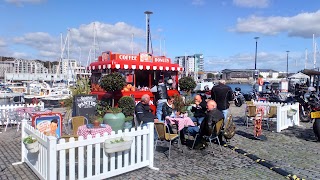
{"x":3,"y":117}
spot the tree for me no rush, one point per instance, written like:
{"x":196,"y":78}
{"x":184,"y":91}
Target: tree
{"x":187,"y":84}
{"x":113,"y":82}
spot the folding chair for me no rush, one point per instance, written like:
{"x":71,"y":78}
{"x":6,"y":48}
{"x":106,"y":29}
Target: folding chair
{"x":3,"y":117}
{"x":250,"y":113}
{"x":163,"y":135}
{"x":214,"y":135}
{"x":11,"y":118}
{"x":272,"y":114}
{"x":76,"y":122}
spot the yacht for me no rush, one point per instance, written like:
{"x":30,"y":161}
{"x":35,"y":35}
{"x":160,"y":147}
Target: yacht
{"x":6,"y":94}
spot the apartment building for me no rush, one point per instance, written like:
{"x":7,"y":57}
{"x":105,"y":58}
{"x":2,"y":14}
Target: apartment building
{"x":193,"y":65}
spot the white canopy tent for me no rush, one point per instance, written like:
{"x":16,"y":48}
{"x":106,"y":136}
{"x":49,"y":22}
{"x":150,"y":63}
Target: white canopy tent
{"x":299,"y":75}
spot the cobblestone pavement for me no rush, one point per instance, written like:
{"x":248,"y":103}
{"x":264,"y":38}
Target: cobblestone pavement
{"x":293,"y":150}
{"x":10,"y":152}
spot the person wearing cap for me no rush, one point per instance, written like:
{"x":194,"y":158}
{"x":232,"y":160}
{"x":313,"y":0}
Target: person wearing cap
{"x":222,"y":94}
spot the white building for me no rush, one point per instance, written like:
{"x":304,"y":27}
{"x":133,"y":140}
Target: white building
{"x":193,"y":65}
{"x":19,"y":70}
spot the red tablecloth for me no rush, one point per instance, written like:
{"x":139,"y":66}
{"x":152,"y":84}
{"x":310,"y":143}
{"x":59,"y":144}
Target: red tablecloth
{"x":182,"y":122}
{"x":84,"y":131}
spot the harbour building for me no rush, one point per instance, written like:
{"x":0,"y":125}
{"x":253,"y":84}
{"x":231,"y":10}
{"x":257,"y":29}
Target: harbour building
{"x":193,"y":65}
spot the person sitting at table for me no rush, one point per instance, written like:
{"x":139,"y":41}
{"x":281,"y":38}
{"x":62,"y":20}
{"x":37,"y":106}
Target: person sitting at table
{"x":213,"y":115}
{"x":168,"y":111}
{"x":199,"y":110}
{"x":143,"y":111}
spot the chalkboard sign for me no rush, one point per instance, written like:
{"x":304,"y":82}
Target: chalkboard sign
{"x":85,"y":105}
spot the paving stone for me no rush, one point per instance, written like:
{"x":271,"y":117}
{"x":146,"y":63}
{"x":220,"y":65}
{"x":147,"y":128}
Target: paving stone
{"x":293,"y":150}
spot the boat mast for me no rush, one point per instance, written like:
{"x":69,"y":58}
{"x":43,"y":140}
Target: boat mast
{"x":132,"y":35}
{"x":94,"y":40}
{"x":306,"y":59}
{"x":314,"y":53}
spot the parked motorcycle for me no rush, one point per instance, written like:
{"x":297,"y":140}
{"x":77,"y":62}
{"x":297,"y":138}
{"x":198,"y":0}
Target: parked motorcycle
{"x":238,"y":97}
{"x":309,"y":107}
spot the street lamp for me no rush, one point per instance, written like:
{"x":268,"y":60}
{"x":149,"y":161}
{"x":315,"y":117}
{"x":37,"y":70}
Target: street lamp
{"x":255,"y":58}
{"x":147,"y":13}
{"x":287,"y":62}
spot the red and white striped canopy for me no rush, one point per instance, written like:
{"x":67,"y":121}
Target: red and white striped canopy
{"x":134,"y":65}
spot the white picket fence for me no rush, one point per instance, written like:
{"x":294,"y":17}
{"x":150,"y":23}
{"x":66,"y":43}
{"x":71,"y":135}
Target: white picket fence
{"x":283,"y":119}
{"x":14,"y":106}
{"x":4,"y":109}
{"x":85,"y":158}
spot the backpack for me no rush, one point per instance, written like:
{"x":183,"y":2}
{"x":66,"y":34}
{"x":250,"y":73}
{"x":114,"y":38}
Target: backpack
{"x":230,"y":129}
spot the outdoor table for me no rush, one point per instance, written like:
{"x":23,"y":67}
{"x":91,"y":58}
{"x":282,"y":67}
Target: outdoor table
{"x":181,"y":122}
{"x":84,"y":131}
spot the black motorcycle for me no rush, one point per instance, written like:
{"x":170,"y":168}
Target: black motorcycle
{"x":309,"y":107}
{"x":238,"y":97}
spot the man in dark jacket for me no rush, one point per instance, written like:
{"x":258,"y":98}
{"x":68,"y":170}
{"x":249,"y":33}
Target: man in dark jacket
{"x":222,"y":94}
{"x":199,"y":110}
{"x":212,"y":117}
{"x":143,"y":111}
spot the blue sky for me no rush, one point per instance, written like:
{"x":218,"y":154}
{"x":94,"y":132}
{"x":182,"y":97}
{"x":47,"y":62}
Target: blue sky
{"x":223,"y":31}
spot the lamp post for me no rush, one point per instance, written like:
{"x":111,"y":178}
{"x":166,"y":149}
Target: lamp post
{"x":147,"y":13}
{"x":255,"y":58}
{"x":287,"y":62}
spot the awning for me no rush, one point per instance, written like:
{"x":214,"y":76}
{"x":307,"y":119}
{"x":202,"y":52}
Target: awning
{"x":120,"y":64}
{"x":310,"y":72}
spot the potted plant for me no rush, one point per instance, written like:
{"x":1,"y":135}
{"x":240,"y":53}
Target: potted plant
{"x":82,"y":87}
{"x":31,"y":144}
{"x":117,"y":144}
{"x":96,"y":120}
{"x":115,"y":118}
{"x":127,"y":104}
{"x":113,"y":82}
{"x":187,"y":84}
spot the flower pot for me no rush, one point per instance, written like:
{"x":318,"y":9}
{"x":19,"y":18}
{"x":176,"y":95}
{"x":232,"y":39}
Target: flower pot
{"x":96,"y":124}
{"x":115,"y":120}
{"x":33,"y":147}
{"x":110,"y":147}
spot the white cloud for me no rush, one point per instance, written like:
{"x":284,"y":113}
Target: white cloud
{"x":22,"y":2}
{"x":252,"y":3}
{"x":301,"y":25}
{"x":2,"y":42}
{"x":114,"y":37}
{"x":265,"y":60}
{"x":198,"y":2}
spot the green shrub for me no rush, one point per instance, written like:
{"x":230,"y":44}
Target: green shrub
{"x":113,"y":82}
{"x":187,"y":84}
{"x":127,"y":104}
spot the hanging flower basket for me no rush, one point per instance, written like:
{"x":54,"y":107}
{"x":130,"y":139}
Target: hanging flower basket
{"x":117,"y":144}
{"x":31,"y":144}
{"x":291,"y":112}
